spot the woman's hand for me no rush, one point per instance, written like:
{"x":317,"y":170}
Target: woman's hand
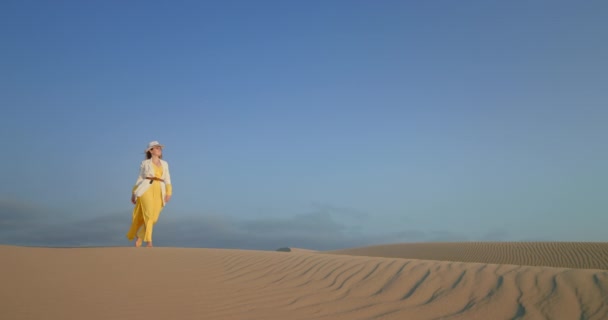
{"x":167,"y":198}
{"x":133,"y":198}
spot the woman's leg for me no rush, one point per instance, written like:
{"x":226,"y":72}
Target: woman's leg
{"x":149,"y":216}
{"x":151,"y":205}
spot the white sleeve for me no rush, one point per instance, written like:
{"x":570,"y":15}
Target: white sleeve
{"x":141,"y":176}
{"x":168,"y":174}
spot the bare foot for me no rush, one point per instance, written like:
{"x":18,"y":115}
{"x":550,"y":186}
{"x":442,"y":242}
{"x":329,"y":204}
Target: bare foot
{"x":149,"y":245}
{"x":138,"y":242}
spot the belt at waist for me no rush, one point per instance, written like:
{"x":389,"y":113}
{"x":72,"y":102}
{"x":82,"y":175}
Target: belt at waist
{"x":154,"y":178}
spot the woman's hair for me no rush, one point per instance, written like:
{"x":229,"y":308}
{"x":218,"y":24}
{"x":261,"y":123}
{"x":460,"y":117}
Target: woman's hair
{"x":149,"y":155}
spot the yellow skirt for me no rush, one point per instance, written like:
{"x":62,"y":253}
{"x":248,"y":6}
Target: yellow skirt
{"x":146,"y":212}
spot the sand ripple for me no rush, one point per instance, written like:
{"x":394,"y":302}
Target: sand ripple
{"x":578,"y":255}
{"x":173,"y":283}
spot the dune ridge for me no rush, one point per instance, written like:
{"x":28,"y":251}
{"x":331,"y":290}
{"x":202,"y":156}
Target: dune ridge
{"x":180,"y":283}
{"x":576,"y":255}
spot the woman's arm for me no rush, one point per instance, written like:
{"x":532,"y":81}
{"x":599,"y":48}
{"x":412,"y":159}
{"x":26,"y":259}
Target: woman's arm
{"x":140,"y":178}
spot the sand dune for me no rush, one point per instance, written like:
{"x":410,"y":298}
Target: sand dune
{"x":579,"y":255}
{"x":179,"y":283}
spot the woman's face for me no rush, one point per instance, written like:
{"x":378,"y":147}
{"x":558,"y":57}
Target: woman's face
{"x":157,"y":151}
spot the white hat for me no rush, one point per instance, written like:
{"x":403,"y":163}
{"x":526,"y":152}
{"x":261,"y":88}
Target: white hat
{"x":152,"y":145}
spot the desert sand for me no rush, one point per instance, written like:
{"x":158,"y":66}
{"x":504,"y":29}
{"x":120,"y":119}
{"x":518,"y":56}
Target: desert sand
{"x":455,"y":281}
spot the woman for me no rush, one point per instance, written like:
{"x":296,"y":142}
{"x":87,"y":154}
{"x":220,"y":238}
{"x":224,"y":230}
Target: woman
{"x":150,"y":194}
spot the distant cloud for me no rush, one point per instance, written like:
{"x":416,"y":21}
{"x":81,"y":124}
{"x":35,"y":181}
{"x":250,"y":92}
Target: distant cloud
{"x":447,"y":236}
{"x":320,"y":223}
{"x":497,"y":234}
{"x":13,"y":214}
{"x":324,"y":229}
{"x":343,"y":211}
{"x":21,"y":224}
{"x":314,"y":231}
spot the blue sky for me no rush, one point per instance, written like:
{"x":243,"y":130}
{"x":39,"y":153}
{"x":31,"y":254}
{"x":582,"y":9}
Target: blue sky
{"x":318,"y":124}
